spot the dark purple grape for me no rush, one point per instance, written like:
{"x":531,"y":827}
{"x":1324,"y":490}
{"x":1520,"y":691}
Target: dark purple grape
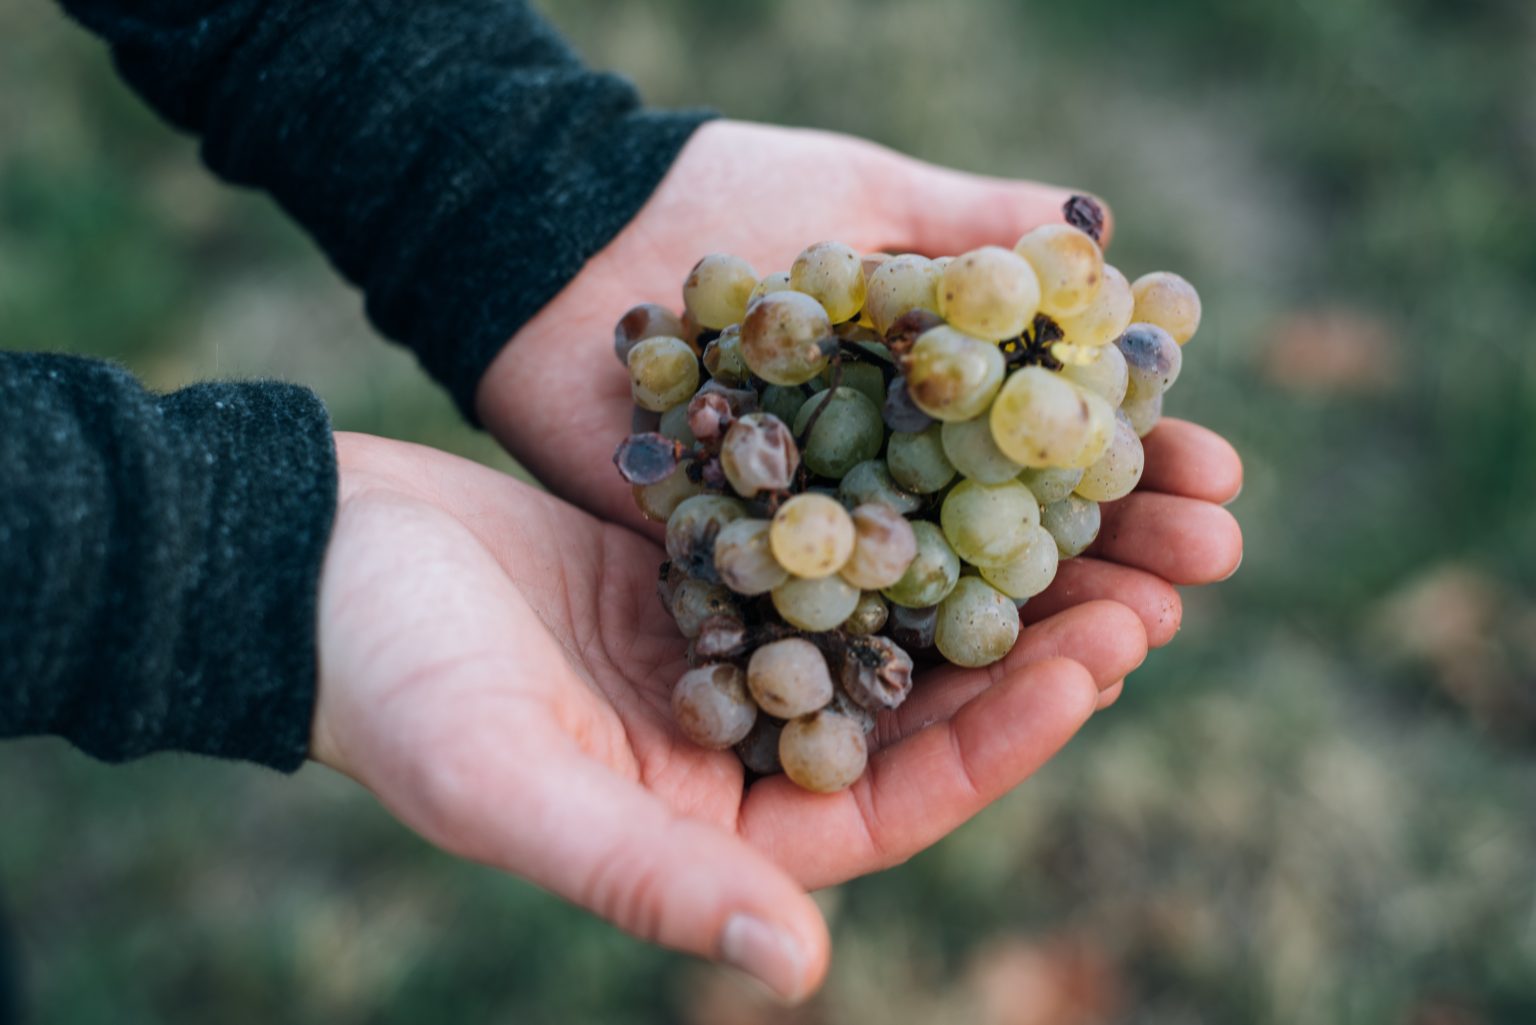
{"x":913,"y":629}
{"x":900,"y":412}
{"x":647,"y":458}
{"x":759,"y":752}
{"x":1086,"y":215}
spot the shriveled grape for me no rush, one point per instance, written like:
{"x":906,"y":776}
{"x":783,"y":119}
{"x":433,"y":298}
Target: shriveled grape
{"x":712,"y":707}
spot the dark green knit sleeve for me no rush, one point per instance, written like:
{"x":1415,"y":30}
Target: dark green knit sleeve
{"x":453,"y":157}
{"x":159,"y":561}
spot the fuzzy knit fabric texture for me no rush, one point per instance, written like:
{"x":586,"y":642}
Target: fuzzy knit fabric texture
{"x":453,"y":158}
{"x":159,"y":561}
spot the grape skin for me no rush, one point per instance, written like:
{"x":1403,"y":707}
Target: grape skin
{"x":812,"y":535}
{"x":970,"y":447}
{"x":833,"y":274}
{"x":759,"y":454}
{"x":864,"y":378}
{"x":1051,"y":483}
{"x":987,"y":524}
{"x":789,"y":678}
{"x":1041,"y":419}
{"x":1031,"y":571}
{"x":848,"y":431}
{"x":660,"y":500}
{"x":884,"y":546}
{"x":868,"y":616}
{"x":744,"y":559}
{"x":900,"y":284}
{"x":723,"y":359}
{"x":1106,"y":375}
{"x":1118,"y":470}
{"x":815,"y":605}
{"x":692,"y":527}
{"x":990,"y":292}
{"x":1167,"y":300}
{"x":717,"y":290}
{"x":1152,"y":359}
{"x":952,"y":375}
{"x":917,"y":461}
{"x":663,"y":372}
{"x":1073,"y":522}
{"x":646,"y":320}
{"x":1143,"y":412}
{"x":781,"y":337}
{"x":977,"y":624}
{"x":712,"y":707}
{"x":696,"y":600}
{"x":932,"y":573}
{"x":1106,"y":316}
{"x":783,"y":401}
{"x":871,"y":481}
{"x":823,"y":752}
{"x":778,"y":281}
{"x":1069,"y":265}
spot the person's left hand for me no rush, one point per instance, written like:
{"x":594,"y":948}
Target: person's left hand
{"x":496,"y":667}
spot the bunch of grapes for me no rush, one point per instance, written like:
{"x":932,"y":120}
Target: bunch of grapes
{"x":872,"y":456}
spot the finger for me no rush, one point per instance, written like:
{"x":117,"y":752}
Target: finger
{"x":949,"y":212}
{"x":1104,"y":637}
{"x":921,"y":789}
{"x":1110,"y":695}
{"x":1085,"y":579}
{"x":1186,"y":459}
{"x":1182,"y":540}
{"x":542,"y":809}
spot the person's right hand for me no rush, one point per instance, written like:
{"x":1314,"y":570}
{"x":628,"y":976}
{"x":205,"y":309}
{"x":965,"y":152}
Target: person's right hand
{"x":496,"y":667}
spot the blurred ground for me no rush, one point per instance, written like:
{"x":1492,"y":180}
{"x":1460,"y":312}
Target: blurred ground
{"x":1319,"y":806}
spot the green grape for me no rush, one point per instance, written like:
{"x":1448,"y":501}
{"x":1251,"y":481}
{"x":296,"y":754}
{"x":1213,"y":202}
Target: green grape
{"x":900,"y":284}
{"x":990,"y":292}
{"x":712,"y":707}
{"x":812,"y":536}
{"x":789,"y":678}
{"x":917,"y":461}
{"x":1104,"y":375}
{"x":848,"y":430}
{"x":1143,"y":412}
{"x":953,"y":376}
{"x":1073,"y":522}
{"x":864,"y":378}
{"x":660,"y":500}
{"x":1042,"y":419}
{"x":717,"y":290}
{"x":783,"y":401}
{"x":816,"y":605}
{"x":759,"y":454}
{"x":696,"y":600}
{"x":1029,"y":572}
{"x":692,"y":527}
{"x":969,"y":446}
{"x":824,"y":752}
{"x":1118,"y":470}
{"x":833,"y":274}
{"x":1051,"y":483}
{"x":987,"y":524}
{"x":1152,"y":358}
{"x":674,"y":425}
{"x":977,"y":624}
{"x":884,"y":546}
{"x":644,"y":321}
{"x":868,"y":616}
{"x":1167,"y":300}
{"x":871,"y":481}
{"x":782,"y":335}
{"x":744,"y":558}
{"x":759,"y":752}
{"x":775,"y":282}
{"x":932,"y":573}
{"x":663,"y":372}
{"x":1069,"y":265}
{"x":723,"y":359}
{"x":1105,"y":317}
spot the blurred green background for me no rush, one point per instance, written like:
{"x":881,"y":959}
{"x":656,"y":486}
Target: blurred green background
{"x":1318,"y":806}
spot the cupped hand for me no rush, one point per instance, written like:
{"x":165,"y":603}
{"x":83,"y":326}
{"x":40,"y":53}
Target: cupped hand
{"x":557,"y":398}
{"x":496,"y":668}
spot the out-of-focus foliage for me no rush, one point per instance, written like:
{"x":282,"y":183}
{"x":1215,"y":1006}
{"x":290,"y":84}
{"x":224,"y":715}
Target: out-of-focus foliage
{"x":1319,"y":805}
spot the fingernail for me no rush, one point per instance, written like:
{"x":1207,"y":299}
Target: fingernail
{"x":765,"y":952}
{"x":1239,"y":566}
{"x":1235,"y":496}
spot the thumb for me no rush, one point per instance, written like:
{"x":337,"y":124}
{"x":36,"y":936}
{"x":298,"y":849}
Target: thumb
{"x":607,"y":844}
{"x":945,"y":212}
